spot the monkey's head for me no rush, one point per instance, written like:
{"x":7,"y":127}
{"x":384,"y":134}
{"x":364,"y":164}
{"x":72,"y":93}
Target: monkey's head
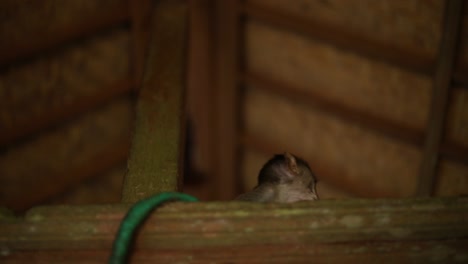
{"x":290,"y":177}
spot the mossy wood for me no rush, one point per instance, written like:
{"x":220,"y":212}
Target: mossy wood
{"x":153,"y":165}
{"x":333,"y":231}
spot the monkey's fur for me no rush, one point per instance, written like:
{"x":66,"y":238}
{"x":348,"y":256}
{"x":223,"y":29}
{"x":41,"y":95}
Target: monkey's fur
{"x":283,"y":179}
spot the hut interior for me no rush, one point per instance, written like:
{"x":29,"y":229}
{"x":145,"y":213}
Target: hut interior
{"x":106,"y":102}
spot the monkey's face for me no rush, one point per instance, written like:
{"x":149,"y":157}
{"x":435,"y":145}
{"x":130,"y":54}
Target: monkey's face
{"x":301,"y":187}
{"x":290,"y":179}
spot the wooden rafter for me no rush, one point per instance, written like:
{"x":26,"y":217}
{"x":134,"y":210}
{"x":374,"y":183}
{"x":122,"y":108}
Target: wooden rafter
{"x":440,"y":97}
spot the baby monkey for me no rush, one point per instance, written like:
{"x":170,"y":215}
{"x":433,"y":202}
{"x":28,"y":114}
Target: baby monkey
{"x":283,"y":179}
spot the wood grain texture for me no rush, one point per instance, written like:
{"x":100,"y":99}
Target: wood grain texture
{"x":344,"y":231}
{"x":157,"y":145}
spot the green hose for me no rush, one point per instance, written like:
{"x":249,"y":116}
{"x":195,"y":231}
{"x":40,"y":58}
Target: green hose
{"x":135,"y":217}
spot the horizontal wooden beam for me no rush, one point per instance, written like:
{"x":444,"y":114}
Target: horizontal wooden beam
{"x":58,"y":114}
{"x":337,"y":231}
{"x":412,"y":60}
{"x":12,"y":51}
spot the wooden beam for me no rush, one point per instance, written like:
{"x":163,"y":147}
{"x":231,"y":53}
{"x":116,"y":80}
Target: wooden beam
{"x":440,"y":97}
{"x":411,"y":60}
{"x":327,"y":231}
{"x":11,"y":52}
{"x":58,"y":114}
{"x":157,"y":145}
{"x":227,"y":98}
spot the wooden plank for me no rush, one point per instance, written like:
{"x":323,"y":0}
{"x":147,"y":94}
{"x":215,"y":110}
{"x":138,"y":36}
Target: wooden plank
{"x":157,"y":145}
{"x":58,"y":114}
{"x":14,"y":51}
{"x":440,"y":97}
{"x":347,"y":114}
{"x":337,"y":231}
{"x":100,"y":163}
{"x":227,"y":98}
{"x":411,"y":60}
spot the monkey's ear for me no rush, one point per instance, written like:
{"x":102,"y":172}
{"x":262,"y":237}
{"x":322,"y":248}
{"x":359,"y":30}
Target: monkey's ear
{"x":291,"y":162}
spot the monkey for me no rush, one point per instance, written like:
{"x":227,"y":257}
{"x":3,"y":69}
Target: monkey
{"x":283,"y":179}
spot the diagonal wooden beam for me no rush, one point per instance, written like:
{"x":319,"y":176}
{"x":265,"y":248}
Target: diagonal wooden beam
{"x":357,"y":42}
{"x":362,"y":118}
{"x":157,"y":145}
{"x":12,"y":51}
{"x":58,"y":114}
{"x":440,"y":97}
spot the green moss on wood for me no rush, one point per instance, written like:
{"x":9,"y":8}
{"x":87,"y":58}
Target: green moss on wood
{"x":153,"y":165}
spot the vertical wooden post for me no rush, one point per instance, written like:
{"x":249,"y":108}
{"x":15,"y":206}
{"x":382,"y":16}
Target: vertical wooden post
{"x":441,"y":86}
{"x":226,"y":33}
{"x":201,"y":106}
{"x":157,"y":146}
